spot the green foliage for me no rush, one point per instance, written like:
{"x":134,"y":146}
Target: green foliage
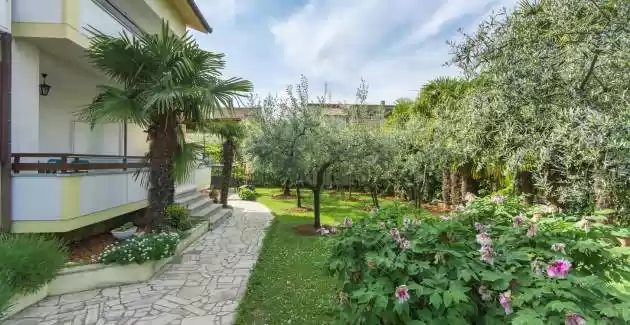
{"x":139,"y":249}
{"x":178,"y":217}
{"x":247,"y":194}
{"x":448,"y":279}
{"x":27,"y":263}
{"x":213,"y":150}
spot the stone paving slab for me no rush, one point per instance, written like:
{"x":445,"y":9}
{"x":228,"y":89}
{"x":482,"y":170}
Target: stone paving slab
{"x":201,"y":287}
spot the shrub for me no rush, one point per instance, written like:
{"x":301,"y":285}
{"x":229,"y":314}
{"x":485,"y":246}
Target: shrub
{"x":139,"y":249}
{"x":27,"y":262}
{"x":178,"y":217}
{"x":479,"y":267}
{"x":247,"y":194}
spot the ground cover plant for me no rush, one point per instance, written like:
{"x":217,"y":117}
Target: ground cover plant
{"x":490,"y":264}
{"x":27,"y":263}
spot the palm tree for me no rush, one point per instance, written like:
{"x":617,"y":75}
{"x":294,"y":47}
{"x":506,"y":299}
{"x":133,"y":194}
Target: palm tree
{"x":162,"y":81}
{"x":231,"y":131}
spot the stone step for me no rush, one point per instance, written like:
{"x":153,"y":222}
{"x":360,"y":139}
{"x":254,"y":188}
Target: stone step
{"x":218,"y":218}
{"x":188,"y":198}
{"x":207,"y":211}
{"x":198,"y":205}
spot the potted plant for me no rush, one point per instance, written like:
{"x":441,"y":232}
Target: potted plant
{"x":125,"y":231}
{"x":623,"y":235}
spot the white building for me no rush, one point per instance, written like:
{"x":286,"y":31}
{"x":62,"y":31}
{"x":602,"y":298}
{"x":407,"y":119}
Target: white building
{"x":39,"y":133}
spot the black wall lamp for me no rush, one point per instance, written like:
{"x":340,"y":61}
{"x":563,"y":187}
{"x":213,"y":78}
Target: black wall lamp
{"x":44,"y":88}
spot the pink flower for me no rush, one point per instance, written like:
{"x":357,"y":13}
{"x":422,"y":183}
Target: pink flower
{"x":444,"y":217}
{"x":370,"y":264}
{"x":574,"y":319}
{"x":497,"y":198}
{"x":402,"y":294}
{"x":405,"y":244}
{"x":532,"y":229}
{"x":395,"y":234}
{"x":505,"y":299}
{"x":484,"y":293}
{"x":559,"y":269}
{"x":348,"y":222}
{"x":558,"y":247}
{"x":487,"y":254}
{"x":343,"y":297}
{"x":483,"y":239}
{"x":517,"y":221}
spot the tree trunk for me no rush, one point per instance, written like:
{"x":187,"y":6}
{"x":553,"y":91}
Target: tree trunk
{"x":525,"y":185}
{"x":319,"y":182}
{"x":602,"y":196}
{"x":456,"y":188}
{"x":349,"y":187}
{"x":162,"y":148}
{"x":299,"y":196}
{"x":468,"y":183}
{"x":286,"y":188}
{"x":374,"y":193}
{"x":226,"y":173}
{"x":446,"y":186}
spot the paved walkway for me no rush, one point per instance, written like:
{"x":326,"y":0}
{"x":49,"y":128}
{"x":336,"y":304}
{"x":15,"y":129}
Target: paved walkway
{"x":201,"y":287}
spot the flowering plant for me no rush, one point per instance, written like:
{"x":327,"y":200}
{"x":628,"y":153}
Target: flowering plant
{"x":478,"y":268}
{"x":150,"y":247}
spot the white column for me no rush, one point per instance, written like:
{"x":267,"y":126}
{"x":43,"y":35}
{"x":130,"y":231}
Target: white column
{"x":25,"y":80}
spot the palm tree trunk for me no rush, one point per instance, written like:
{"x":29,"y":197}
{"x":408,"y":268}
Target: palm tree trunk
{"x":162,"y":147}
{"x":446,"y":186}
{"x":226,"y":173}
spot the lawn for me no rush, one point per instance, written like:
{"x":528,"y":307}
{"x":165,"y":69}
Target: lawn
{"x":289,"y":284}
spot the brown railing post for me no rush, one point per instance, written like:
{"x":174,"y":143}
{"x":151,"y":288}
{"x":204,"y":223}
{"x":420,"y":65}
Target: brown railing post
{"x":64,"y":164}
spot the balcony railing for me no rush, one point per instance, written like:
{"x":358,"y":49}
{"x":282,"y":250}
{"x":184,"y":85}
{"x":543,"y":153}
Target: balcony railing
{"x":66,"y":163}
{"x":113,"y":23}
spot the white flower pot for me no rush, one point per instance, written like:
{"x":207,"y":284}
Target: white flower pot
{"x":120,"y":235}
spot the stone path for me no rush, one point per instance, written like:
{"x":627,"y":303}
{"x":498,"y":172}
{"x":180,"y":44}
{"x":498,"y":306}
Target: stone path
{"x":201,"y":287}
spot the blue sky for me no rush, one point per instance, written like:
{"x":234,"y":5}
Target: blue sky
{"x":396,"y":45}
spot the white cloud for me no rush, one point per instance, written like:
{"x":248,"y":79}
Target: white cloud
{"x":386,"y":41}
{"x":396,"y":45}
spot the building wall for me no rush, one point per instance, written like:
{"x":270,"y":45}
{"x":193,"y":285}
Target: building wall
{"x":24,"y":97}
{"x":166,"y":10}
{"x":5,"y":16}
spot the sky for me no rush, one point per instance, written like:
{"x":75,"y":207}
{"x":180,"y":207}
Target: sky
{"x":395,"y":45}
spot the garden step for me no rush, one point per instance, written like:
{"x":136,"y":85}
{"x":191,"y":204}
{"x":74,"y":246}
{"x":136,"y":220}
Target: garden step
{"x":218,"y":218}
{"x":192,"y":201}
{"x":188,"y":198}
{"x":198,"y":205}
{"x":207,"y":211}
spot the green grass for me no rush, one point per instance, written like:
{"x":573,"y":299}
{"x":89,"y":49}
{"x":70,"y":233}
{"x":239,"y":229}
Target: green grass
{"x":289,"y":285}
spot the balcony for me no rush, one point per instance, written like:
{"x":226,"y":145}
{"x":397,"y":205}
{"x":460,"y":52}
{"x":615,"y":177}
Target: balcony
{"x":54,"y":192}
{"x":43,"y":20}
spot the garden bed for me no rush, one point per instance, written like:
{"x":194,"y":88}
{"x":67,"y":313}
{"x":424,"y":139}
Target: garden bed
{"x":87,"y":277}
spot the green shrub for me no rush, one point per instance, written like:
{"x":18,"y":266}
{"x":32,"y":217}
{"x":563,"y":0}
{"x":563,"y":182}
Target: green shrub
{"x":178,"y":217}
{"x":247,"y":194}
{"x":139,"y":249}
{"x":27,"y":262}
{"x":482,"y":266}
